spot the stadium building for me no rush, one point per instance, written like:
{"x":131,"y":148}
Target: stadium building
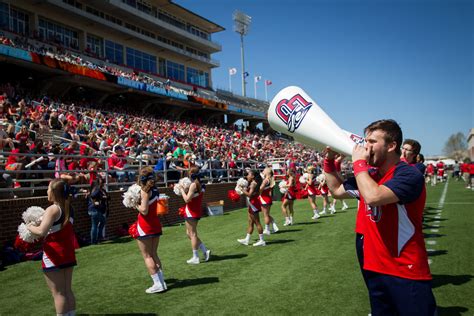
{"x":152,"y":55}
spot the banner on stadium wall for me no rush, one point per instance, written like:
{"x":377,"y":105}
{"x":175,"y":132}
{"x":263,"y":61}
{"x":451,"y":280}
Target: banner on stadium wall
{"x":15,"y":52}
{"x":149,"y":88}
{"x":208,"y":103}
{"x":75,"y":69}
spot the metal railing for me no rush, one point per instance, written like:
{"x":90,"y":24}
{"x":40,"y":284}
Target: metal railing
{"x":34,"y":178}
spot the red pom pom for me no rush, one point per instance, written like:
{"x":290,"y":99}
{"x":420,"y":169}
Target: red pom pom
{"x":133,"y":231}
{"x":233,"y":196}
{"x":24,"y":246}
{"x":182,"y":211}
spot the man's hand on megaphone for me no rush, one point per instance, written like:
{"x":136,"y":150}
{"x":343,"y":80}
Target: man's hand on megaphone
{"x":360,"y":153}
{"x":329,"y":154}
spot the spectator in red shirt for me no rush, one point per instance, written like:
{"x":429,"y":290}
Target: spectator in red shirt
{"x":22,"y":136}
{"x":118,"y":164}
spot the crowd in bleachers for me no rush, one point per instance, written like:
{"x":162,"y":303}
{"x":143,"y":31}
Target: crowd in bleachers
{"x":121,"y":134}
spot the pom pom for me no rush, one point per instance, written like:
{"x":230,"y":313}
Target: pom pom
{"x":182,"y":211}
{"x":283,"y":187}
{"x":26,"y":235}
{"x":233,"y":196}
{"x":241,"y":185}
{"x":304,"y":178}
{"x":33,"y":214}
{"x":133,"y":231}
{"x":23,"y":246}
{"x":321,"y":178}
{"x":131,"y":198}
{"x":183,"y":183}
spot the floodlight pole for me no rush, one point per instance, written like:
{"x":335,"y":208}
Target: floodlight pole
{"x":243,"y":63}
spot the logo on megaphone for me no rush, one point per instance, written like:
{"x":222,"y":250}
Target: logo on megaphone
{"x":293,"y":111}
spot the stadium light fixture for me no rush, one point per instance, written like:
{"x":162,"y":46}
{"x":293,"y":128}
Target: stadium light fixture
{"x":242,"y":26}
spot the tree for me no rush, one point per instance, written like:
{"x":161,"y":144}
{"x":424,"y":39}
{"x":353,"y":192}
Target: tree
{"x":456,"y":146}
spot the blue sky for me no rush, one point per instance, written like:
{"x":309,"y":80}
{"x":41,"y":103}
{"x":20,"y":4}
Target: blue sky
{"x":359,"y":60}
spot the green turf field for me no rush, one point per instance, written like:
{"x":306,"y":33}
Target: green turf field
{"x":309,"y":268}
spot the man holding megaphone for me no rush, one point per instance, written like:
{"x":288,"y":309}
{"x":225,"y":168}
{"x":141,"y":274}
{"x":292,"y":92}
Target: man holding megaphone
{"x":391,"y":197}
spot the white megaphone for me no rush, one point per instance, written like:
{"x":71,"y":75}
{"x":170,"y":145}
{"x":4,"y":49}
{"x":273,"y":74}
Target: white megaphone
{"x":294,"y":113}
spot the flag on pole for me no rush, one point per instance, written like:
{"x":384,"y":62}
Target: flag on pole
{"x":258,"y":78}
{"x":268,"y":82}
{"x":246,"y":74}
{"x":232,"y":71}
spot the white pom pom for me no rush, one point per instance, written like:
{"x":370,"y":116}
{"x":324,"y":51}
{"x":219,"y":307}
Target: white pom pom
{"x":320,"y":178}
{"x":282,"y":186}
{"x":177,"y":189}
{"x":241,"y":185}
{"x":304,"y":178}
{"x":131,"y":198}
{"x":185,"y":183}
{"x":26,"y":234}
{"x":33,"y":214}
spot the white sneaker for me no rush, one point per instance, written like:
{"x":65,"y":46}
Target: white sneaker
{"x":260,"y":243}
{"x":344,"y":207}
{"x":323,"y":212}
{"x":193,"y":260}
{"x":275,"y":228}
{"x":156,"y":288}
{"x":243,"y":241}
{"x":266,"y":232}
{"x":286,"y":223}
{"x":291,"y":221}
{"x":333,"y":210}
{"x":207,"y":256}
{"x":315,"y":216}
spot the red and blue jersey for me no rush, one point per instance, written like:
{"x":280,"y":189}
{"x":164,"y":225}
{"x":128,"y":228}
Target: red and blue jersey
{"x":193,"y":208}
{"x":150,"y":224}
{"x":58,"y":246}
{"x":266,"y":195}
{"x":393,"y":233}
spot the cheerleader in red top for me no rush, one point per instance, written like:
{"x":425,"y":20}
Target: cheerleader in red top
{"x":266,"y":200}
{"x":253,"y":201}
{"x":192,"y":213}
{"x":149,"y":229}
{"x":289,"y":197}
{"x":337,"y":163}
{"x":58,"y":247}
{"x":323,"y":187}
{"x":312,"y":191}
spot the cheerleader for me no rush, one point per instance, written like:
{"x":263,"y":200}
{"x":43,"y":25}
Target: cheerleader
{"x":312,"y":191}
{"x":323,"y":187}
{"x":192,"y":213}
{"x":59,"y":257}
{"x":289,"y":198}
{"x":253,"y":201}
{"x":266,"y":200}
{"x":337,"y":163}
{"x":149,"y":229}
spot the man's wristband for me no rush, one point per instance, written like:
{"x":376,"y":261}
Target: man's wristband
{"x":360,"y":166}
{"x":329,"y":165}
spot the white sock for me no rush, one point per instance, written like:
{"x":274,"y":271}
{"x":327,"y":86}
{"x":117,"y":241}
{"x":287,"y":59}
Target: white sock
{"x":195,"y":253}
{"x":344,"y":203}
{"x":260,"y":236}
{"x":155,"y":277}
{"x":203,"y":248}
{"x":287,"y":219}
{"x":324,"y":209}
{"x":267,"y":227}
{"x":315,"y":211}
{"x":247,"y":237}
{"x":291,"y":219}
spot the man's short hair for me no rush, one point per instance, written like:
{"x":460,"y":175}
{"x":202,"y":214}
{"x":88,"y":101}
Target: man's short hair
{"x":415,"y":145}
{"x":393,"y":132}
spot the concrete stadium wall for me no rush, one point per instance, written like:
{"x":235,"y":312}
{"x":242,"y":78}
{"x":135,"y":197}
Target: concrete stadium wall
{"x":11,"y":210}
